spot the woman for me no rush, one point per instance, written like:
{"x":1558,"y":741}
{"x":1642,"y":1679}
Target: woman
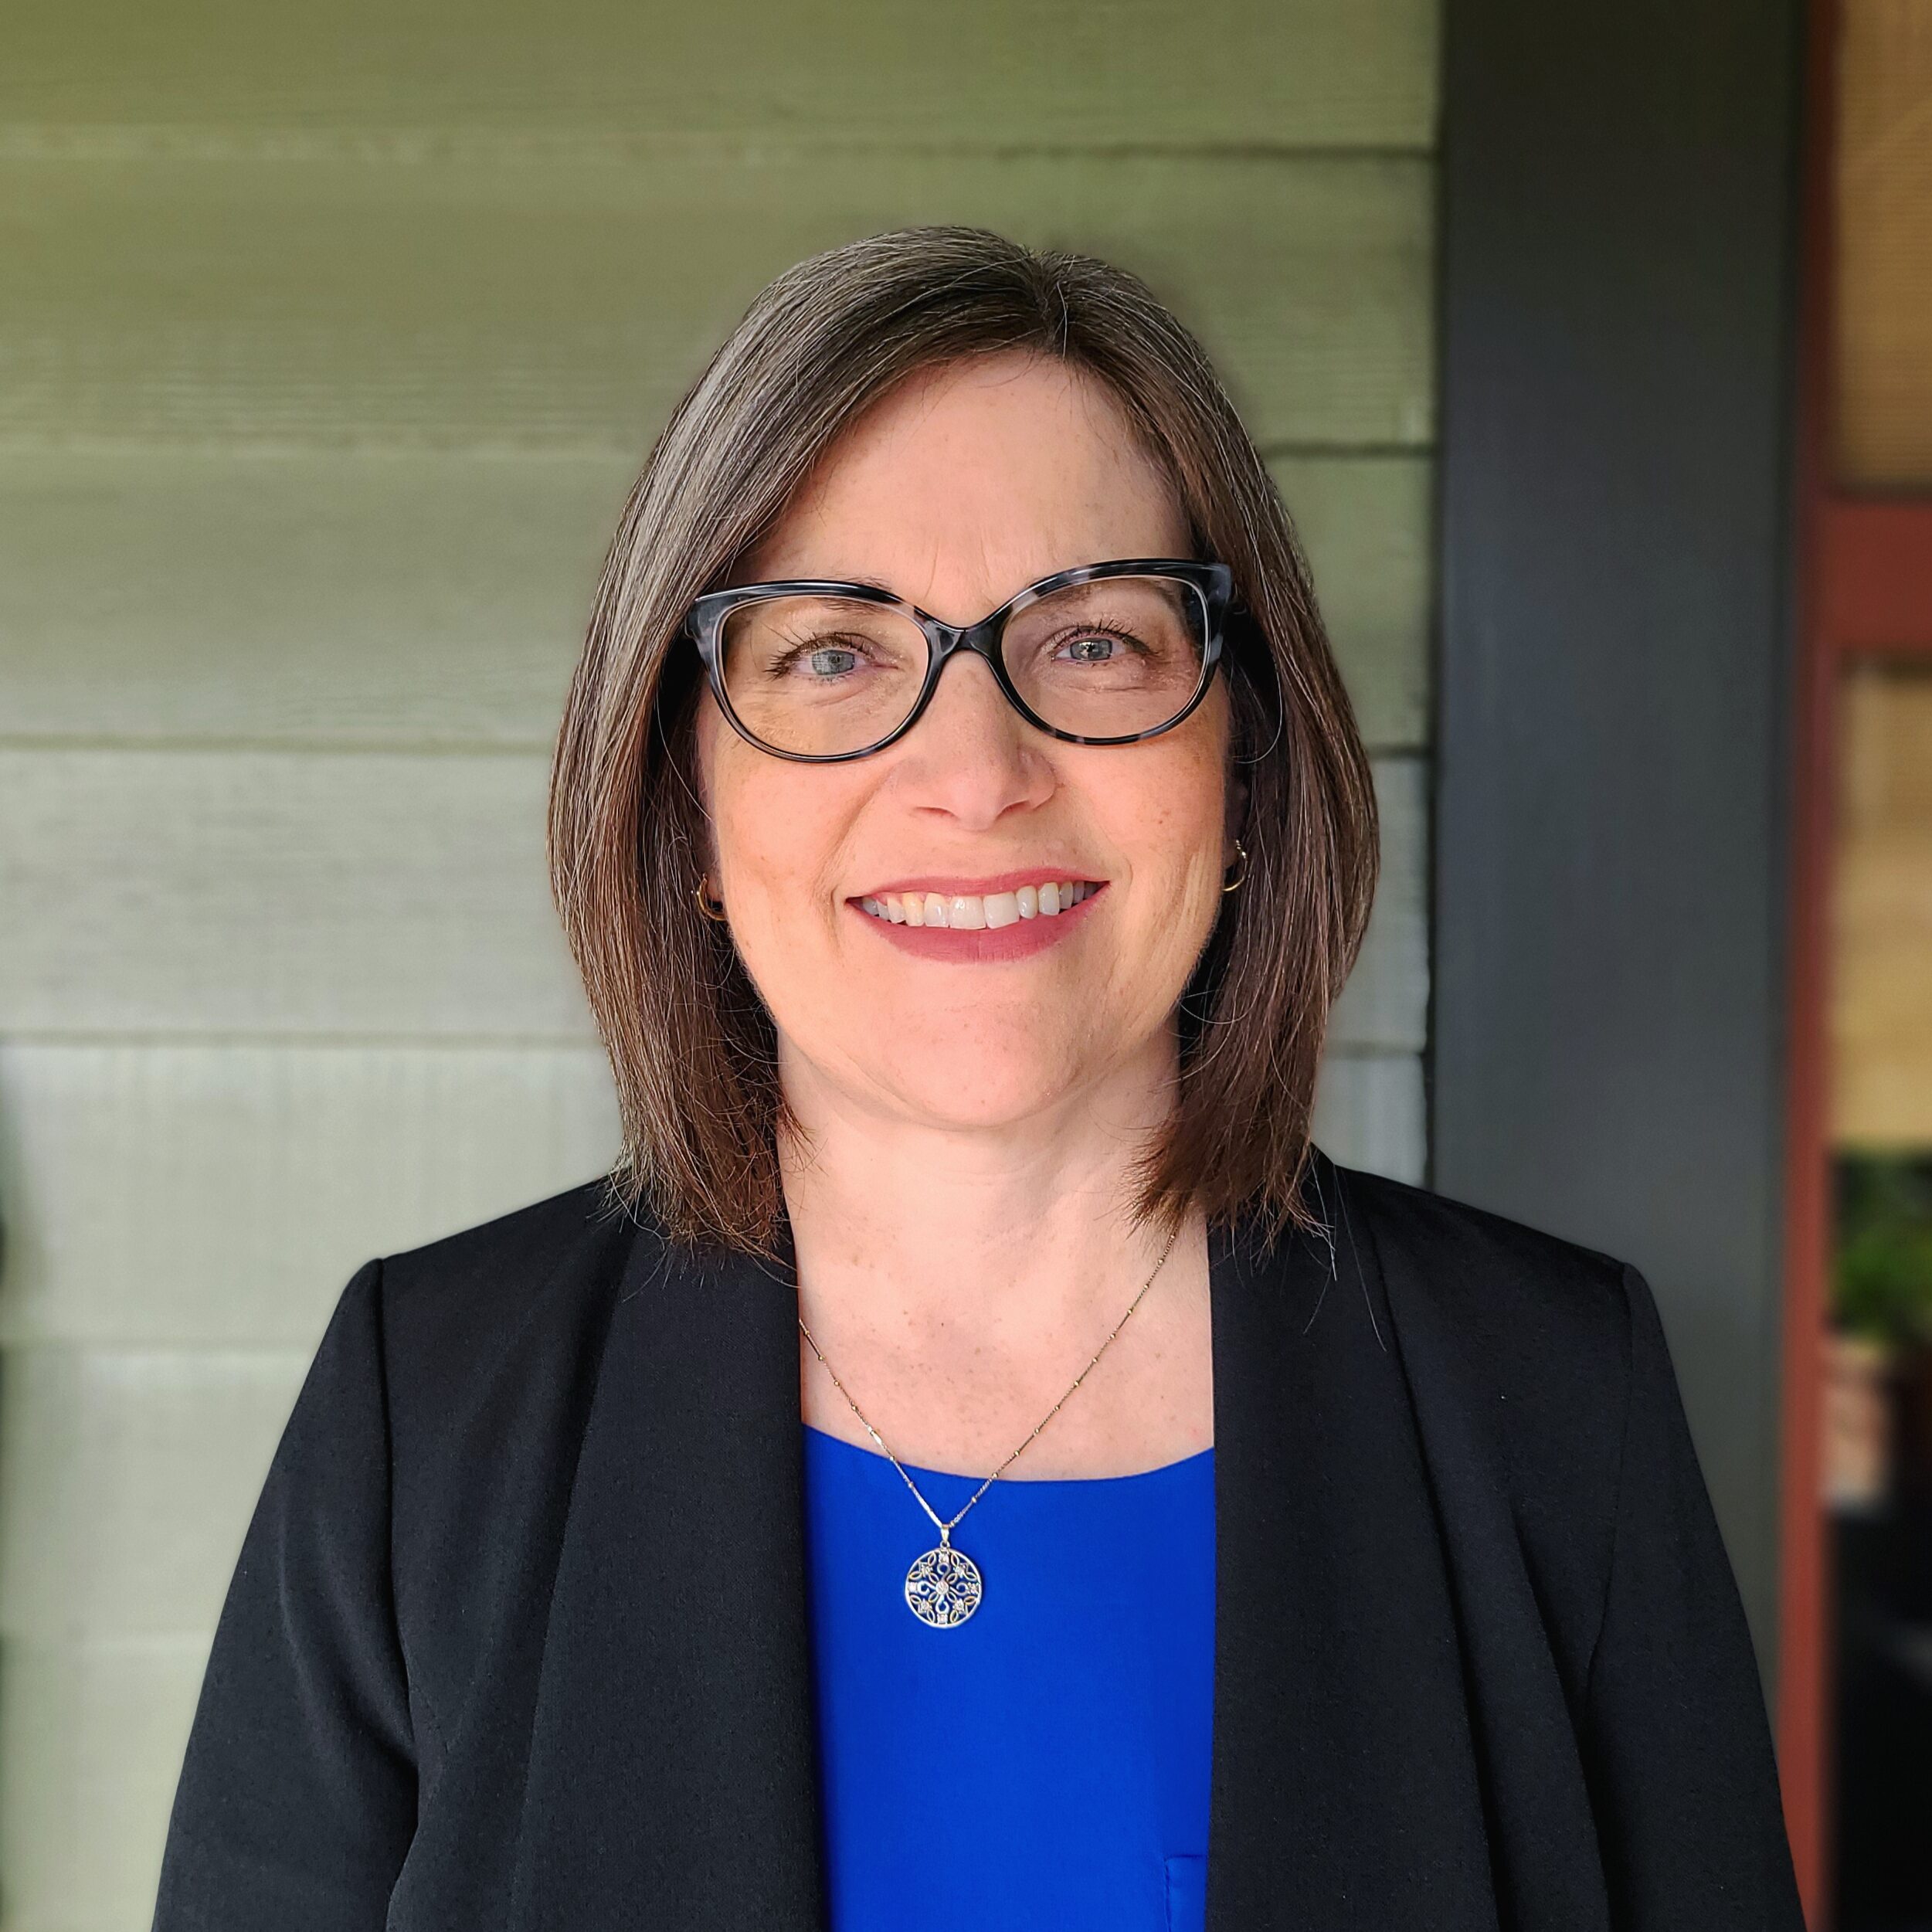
{"x":973,"y":1458}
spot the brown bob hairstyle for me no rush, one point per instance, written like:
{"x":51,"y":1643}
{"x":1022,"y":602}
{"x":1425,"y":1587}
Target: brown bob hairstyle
{"x":690,"y":1042}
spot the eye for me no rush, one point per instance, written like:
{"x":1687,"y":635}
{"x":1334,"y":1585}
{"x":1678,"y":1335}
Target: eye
{"x":833,"y":661}
{"x":1096,"y":648}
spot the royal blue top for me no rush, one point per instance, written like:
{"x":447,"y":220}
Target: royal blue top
{"x":1044,"y":1764}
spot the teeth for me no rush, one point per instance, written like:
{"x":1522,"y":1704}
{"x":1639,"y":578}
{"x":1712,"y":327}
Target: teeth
{"x":968,"y":912}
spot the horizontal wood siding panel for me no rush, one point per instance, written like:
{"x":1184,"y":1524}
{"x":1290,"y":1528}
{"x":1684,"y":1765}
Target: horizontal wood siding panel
{"x":400,"y":895}
{"x":1384,"y":1005}
{"x":220,"y":1195}
{"x":1367,"y":523}
{"x":91,"y":1738}
{"x":127,"y":1479}
{"x":307,"y":598}
{"x":1369,"y":1113}
{"x":412,"y":598}
{"x":482,"y":301}
{"x":1113,"y":73}
{"x":249,"y":891}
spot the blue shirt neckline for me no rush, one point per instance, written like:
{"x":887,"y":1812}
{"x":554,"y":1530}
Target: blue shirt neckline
{"x":1182,"y":1466}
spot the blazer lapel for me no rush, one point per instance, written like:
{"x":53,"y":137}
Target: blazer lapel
{"x":673,"y":1778}
{"x":1344,"y":1792}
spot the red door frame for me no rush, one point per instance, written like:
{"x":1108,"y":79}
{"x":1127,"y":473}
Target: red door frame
{"x":1863,"y":580}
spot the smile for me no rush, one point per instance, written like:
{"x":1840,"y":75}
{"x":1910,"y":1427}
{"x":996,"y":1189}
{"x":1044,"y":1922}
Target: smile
{"x":977,"y":912}
{"x":1021,"y":917}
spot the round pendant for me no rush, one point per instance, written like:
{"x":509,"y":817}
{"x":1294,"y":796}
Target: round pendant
{"x":943,"y":1588}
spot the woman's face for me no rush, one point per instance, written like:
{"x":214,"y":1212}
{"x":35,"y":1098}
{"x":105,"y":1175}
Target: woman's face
{"x":956,"y":490}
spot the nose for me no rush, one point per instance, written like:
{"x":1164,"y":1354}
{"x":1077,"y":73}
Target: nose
{"x":972,"y":756}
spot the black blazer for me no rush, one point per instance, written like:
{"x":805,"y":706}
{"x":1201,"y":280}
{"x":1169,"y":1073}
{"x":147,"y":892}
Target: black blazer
{"x":518,"y":1638}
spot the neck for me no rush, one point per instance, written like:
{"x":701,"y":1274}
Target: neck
{"x":957,"y":1279}
{"x":930,"y":1226}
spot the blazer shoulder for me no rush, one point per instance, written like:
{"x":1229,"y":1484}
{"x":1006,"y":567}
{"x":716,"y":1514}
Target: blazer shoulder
{"x":1457,"y":1238}
{"x":536,"y":1282}
{"x":1517,"y":1302}
{"x":540,"y":1230}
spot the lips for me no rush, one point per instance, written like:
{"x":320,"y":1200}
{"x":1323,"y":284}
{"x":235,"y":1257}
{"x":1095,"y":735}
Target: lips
{"x":977,"y":912}
{"x":1023,"y":915}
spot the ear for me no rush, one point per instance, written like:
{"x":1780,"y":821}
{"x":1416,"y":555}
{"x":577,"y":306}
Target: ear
{"x":1237,"y":815}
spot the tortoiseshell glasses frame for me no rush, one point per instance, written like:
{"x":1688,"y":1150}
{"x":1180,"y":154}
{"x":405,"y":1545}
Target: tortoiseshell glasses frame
{"x":1211,"y":582}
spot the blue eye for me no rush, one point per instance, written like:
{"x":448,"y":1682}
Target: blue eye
{"x":833,"y":661}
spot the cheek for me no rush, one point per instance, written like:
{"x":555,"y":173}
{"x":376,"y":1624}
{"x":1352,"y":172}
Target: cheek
{"x":778,"y":831}
{"x":776,"y":849}
{"x":1162,"y":818}
{"x":756,"y":821}
{"x":1172,"y":813}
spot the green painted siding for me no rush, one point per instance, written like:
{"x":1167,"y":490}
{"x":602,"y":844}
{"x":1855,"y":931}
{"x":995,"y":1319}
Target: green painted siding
{"x":329,"y":341}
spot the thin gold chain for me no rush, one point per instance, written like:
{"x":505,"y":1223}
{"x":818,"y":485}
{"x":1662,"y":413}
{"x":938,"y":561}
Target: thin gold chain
{"x":945,"y":1528}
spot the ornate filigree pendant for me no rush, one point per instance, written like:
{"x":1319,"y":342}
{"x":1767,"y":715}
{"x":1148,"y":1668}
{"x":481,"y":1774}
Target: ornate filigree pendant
{"x":943,"y":1588}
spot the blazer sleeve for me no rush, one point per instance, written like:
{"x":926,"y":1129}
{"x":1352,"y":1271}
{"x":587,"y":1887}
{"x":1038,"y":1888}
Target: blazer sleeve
{"x":1679,"y":1748}
{"x":296,"y":1798}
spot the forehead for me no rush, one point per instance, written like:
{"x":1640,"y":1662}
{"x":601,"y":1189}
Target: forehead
{"x":963,"y":484}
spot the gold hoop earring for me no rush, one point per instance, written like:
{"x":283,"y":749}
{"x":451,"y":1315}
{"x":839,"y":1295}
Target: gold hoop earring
{"x":704,"y":905}
{"x":1241,"y":852}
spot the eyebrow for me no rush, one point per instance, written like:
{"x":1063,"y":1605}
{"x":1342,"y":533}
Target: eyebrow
{"x":833,"y":576}
{"x":879,"y":583}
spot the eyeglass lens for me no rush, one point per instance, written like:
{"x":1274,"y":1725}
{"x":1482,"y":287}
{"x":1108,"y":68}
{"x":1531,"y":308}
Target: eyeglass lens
{"x":820,"y":675}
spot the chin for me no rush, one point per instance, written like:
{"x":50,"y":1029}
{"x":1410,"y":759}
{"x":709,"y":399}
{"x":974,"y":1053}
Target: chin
{"x":974,"y":1070}
{"x":970,"y":1091}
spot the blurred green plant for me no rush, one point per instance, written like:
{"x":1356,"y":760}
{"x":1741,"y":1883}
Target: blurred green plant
{"x":1882,"y":1281}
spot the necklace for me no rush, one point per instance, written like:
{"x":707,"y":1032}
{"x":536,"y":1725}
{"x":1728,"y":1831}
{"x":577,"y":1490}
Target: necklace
{"x":944,"y":1586}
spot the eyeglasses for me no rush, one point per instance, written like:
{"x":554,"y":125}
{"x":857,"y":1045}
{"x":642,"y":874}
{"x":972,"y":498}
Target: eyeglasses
{"x":820,"y":670}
